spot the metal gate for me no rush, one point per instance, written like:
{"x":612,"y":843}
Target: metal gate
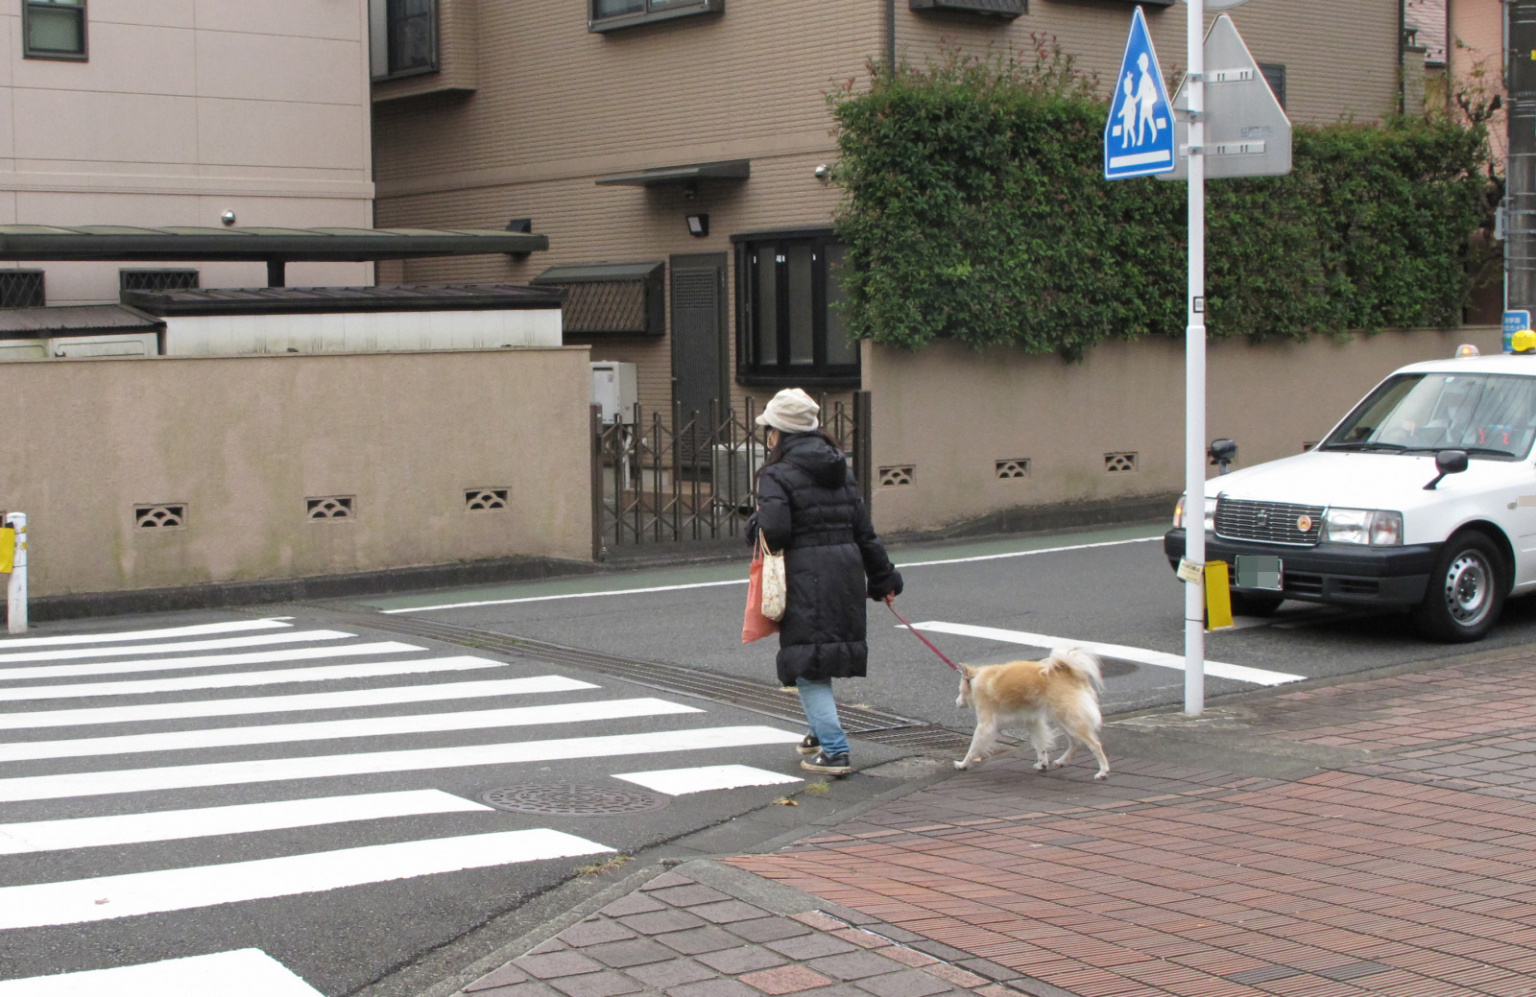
{"x":694,"y":478}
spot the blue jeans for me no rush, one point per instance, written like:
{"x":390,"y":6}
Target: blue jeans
{"x":821,"y":714}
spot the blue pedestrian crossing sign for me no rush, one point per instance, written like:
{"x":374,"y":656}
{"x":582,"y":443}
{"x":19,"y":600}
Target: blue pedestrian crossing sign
{"x":1138,"y":138}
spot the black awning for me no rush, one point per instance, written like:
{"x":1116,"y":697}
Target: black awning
{"x":291,"y":245}
{"x":388,"y":298}
{"x":730,"y":169}
{"x":609,"y":298}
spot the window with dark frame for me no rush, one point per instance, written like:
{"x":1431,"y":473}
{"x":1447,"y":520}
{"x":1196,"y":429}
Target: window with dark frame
{"x":403,"y":37}
{"x":789,"y":326}
{"x":53,"y":29}
{"x":1274,"y":75}
{"x":157,"y":280}
{"x":609,"y":15}
{"x":22,"y":289}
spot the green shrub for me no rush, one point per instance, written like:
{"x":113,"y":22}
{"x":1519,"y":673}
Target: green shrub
{"x":975,"y":207}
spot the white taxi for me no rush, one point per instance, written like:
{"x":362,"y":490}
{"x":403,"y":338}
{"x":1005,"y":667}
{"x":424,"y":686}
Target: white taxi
{"x":1423,"y":499}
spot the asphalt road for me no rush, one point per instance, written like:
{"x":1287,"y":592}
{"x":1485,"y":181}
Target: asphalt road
{"x":1112,"y":587}
{"x":345,"y":902}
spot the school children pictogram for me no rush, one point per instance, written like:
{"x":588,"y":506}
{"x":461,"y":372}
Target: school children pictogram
{"x":1138,"y":138}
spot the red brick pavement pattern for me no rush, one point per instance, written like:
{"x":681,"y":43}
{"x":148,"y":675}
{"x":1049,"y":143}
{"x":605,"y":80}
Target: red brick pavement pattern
{"x":1493,"y":695}
{"x":1411,"y":874}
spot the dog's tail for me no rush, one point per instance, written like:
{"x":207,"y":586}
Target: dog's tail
{"x":1081,"y":662}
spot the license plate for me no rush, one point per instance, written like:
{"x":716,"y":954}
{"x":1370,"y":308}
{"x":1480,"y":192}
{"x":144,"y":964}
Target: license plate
{"x":1259,"y":571}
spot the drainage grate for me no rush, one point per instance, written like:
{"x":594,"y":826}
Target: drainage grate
{"x":771,"y":701}
{"x":922,"y":736}
{"x":566,"y":800}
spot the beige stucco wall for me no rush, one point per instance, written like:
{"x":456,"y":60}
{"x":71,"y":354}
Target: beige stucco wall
{"x":186,"y":109}
{"x":555,"y":106}
{"x":951,"y":413}
{"x":243,"y":442}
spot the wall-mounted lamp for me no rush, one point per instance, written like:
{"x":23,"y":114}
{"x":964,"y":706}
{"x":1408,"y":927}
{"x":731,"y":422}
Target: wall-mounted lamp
{"x":698,"y":226}
{"x":522,"y":226}
{"x":228,"y":218}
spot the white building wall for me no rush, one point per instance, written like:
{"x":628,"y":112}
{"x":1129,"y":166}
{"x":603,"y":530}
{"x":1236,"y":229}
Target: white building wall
{"x":360,"y":332}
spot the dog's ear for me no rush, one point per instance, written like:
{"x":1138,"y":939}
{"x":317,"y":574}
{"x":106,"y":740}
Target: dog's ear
{"x":967,"y":672}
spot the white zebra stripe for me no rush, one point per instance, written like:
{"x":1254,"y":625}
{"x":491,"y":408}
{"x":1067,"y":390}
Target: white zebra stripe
{"x":282,"y":676}
{"x":241,"y":973}
{"x":203,"y":661}
{"x":200,"y":630}
{"x":65,"y":785}
{"x":248,"y":705}
{"x":418,"y":723}
{"x":107,"y":897}
{"x":246,"y":818}
{"x":177,"y":647}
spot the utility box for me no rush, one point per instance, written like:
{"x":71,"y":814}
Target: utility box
{"x":614,"y":388}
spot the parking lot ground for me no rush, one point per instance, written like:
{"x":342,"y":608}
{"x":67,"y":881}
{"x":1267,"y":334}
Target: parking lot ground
{"x":1372,"y":834}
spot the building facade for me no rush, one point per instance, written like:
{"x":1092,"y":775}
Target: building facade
{"x":688,"y":138}
{"x":188,"y":114}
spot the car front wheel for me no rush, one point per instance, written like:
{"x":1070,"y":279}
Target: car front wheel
{"x":1466,"y":591}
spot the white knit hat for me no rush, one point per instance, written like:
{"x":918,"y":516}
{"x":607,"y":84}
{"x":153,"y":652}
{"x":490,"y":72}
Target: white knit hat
{"x":790,"y":411}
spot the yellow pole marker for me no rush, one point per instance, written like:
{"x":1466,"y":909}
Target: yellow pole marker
{"x":7,"y":549}
{"x":1218,"y":596}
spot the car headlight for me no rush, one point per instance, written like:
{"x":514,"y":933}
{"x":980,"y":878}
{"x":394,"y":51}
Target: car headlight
{"x":1376,"y":527}
{"x":1210,"y":514}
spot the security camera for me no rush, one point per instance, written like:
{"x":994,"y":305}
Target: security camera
{"x":228,"y":218}
{"x":823,"y":171}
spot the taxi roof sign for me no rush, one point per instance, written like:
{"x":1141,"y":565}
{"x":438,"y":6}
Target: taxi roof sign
{"x":1139,"y":135}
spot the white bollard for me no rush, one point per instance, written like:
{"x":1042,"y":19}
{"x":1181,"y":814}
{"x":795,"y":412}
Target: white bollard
{"x":16,"y":595}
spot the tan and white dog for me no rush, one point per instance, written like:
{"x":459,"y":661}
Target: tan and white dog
{"x":1063,"y":690}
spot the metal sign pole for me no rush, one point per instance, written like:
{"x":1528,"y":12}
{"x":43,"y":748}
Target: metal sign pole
{"x":1194,"y":374}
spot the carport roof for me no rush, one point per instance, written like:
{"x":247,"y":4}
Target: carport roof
{"x":397,"y":298}
{"x":292,"y":245}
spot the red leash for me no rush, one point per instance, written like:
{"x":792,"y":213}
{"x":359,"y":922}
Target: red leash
{"x":920,"y":637}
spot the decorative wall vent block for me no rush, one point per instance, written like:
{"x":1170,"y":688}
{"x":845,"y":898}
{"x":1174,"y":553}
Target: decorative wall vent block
{"x":895,"y":477}
{"x":485,"y":499}
{"x":331,"y":507}
{"x":160,"y":517}
{"x":1018,"y":467}
{"x":1119,"y":463}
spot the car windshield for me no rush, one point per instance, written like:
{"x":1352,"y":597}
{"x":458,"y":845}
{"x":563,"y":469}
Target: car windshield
{"x":1490,"y":415}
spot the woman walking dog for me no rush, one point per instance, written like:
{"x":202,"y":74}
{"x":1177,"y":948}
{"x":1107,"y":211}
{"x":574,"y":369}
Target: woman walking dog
{"x":809,"y":506}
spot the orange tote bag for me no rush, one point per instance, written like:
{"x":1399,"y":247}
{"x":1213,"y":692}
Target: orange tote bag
{"x":756,"y":626}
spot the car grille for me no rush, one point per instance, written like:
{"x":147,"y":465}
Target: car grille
{"x":1268,"y":522}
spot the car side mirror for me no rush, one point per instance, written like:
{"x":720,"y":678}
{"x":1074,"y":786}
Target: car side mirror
{"x":1222,"y":453}
{"x":1447,"y":462}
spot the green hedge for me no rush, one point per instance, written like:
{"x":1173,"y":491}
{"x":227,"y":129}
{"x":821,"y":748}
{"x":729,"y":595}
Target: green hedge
{"x":975,"y":207}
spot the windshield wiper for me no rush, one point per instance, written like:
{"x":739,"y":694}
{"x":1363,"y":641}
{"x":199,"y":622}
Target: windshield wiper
{"x":1366,"y":446}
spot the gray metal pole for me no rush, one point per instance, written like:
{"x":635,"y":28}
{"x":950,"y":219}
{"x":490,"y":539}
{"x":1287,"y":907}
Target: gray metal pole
{"x":1520,"y":234}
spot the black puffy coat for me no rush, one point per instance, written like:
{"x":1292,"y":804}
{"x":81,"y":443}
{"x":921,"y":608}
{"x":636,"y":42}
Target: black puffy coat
{"x":810,"y":508}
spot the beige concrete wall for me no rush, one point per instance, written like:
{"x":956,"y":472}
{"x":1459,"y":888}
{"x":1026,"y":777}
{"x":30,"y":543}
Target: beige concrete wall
{"x":950,"y":413}
{"x":243,"y":442}
{"x":555,"y":106}
{"x":186,"y":109}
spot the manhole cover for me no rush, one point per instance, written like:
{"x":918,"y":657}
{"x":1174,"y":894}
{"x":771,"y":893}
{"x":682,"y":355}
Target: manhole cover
{"x":571,"y":801}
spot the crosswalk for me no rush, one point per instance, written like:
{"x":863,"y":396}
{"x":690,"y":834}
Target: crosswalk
{"x":115,"y":747}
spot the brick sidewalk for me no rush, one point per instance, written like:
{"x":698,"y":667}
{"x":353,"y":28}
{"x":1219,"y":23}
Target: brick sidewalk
{"x":1371,"y":837}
